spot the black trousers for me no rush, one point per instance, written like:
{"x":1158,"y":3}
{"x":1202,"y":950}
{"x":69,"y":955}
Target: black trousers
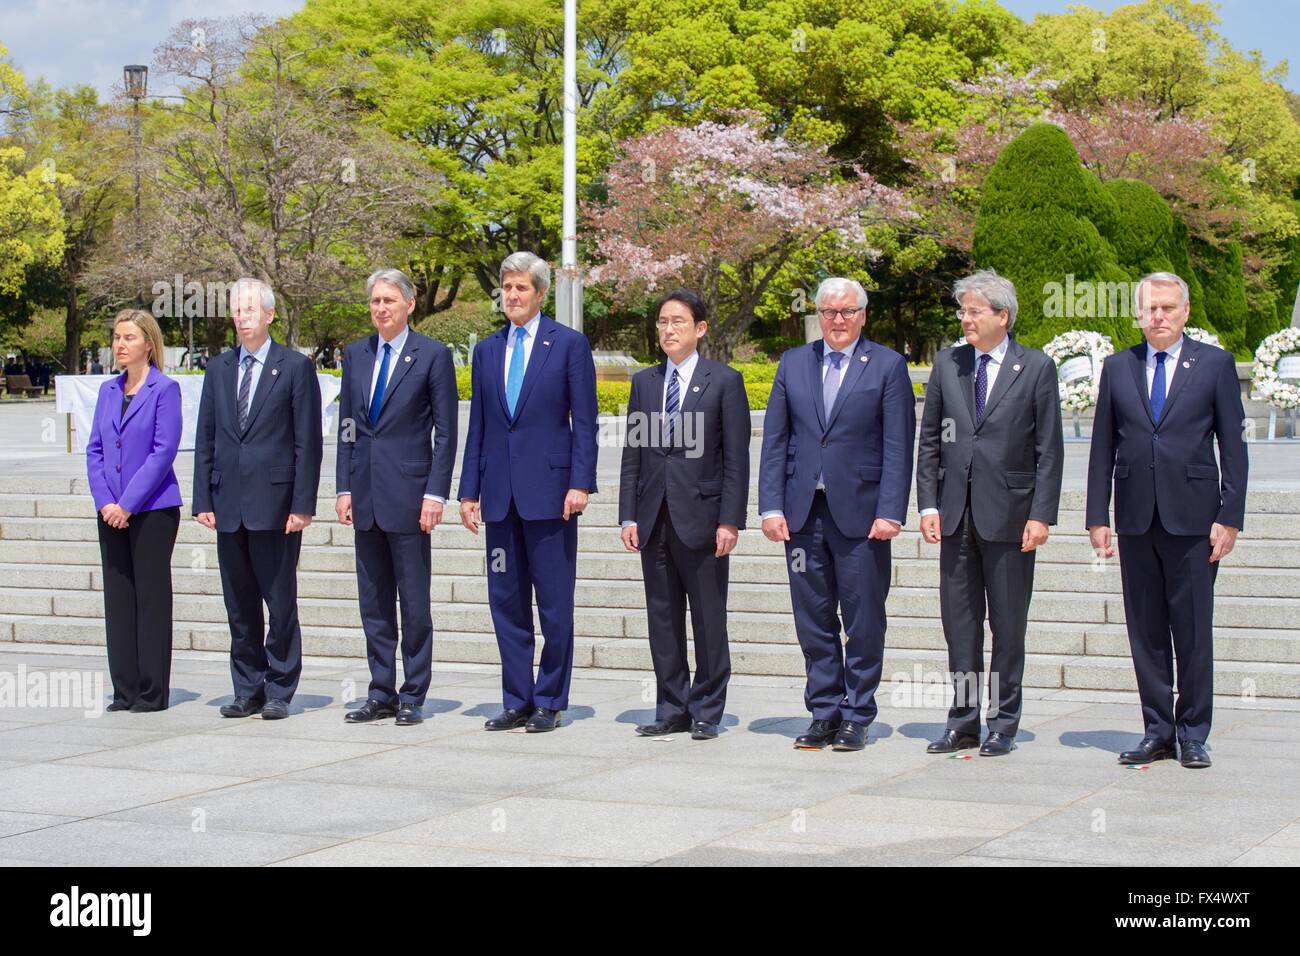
{"x":137,"y":564}
{"x":676,"y":575}
{"x":976,"y":576}
{"x":389,"y":566}
{"x":257,"y":567}
{"x":1169,"y":609}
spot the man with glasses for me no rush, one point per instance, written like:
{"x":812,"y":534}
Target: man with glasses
{"x":834,"y":477}
{"x":988,"y":482}
{"x":1161,"y":406}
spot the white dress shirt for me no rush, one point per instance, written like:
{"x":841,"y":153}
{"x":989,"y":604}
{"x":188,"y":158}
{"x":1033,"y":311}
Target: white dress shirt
{"x":684,"y":373}
{"x":531,"y":327}
{"x":844,"y":368}
{"x":397,"y":342}
{"x":1171,"y":365}
{"x":997,"y":354}
{"x":259,"y":363}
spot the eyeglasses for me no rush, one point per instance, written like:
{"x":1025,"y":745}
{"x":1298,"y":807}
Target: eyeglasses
{"x":830,"y":314}
{"x":675,"y":323}
{"x":973,"y":313}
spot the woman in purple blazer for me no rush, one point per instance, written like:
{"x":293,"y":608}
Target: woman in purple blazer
{"x":129,"y":456}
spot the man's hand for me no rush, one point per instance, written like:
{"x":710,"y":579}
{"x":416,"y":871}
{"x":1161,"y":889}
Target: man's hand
{"x":630,"y":541}
{"x":1222,"y":539}
{"x":1035,"y":535}
{"x":469,"y":514}
{"x":296,"y":523}
{"x":575,"y":502}
{"x":207,"y":519}
{"x":775,"y":528}
{"x":1101,"y":546}
{"x":114,"y":516}
{"x":931,"y":528}
{"x":726,"y":537}
{"x":883,"y":529}
{"x":343,"y":508}
{"x":430,"y":514}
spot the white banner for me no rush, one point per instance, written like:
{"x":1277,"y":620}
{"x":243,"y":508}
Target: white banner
{"x":76,"y":395}
{"x":1076,"y":368}
{"x":1288,"y":368}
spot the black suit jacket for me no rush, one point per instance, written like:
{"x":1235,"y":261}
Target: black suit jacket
{"x":1169,"y":466}
{"x":260,"y":475}
{"x":390,"y":466}
{"x":706,"y":481}
{"x":1013,"y":457}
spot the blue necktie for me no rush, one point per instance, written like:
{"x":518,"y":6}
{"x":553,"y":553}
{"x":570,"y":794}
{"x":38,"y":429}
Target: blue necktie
{"x":1158,"y":386}
{"x":378,"y":398}
{"x":982,"y":387}
{"x":245,"y":391}
{"x":671,"y":405}
{"x":515,"y":379}
{"x":831,"y":383}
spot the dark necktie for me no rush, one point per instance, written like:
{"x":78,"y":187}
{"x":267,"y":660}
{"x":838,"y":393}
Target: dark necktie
{"x":1158,"y":386}
{"x":671,"y":406}
{"x":982,"y":386}
{"x":377,"y":400}
{"x":245,"y":389}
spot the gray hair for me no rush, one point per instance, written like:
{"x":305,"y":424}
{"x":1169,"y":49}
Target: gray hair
{"x":266,"y":295}
{"x":998,"y":291}
{"x":837,"y":286}
{"x":393,"y":277}
{"x":537,"y":268}
{"x":1159,"y":277}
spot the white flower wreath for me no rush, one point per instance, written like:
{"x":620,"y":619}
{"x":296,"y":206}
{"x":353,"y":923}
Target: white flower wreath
{"x":1200,"y":335}
{"x":1080,"y":392}
{"x":1264,"y":378}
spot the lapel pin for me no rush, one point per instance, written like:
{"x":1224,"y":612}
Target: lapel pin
{"x":1187,"y":365}
{"x":275,"y":371}
{"x":862,"y":359}
{"x":1015,"y":368}
{"x":407,"y":359}
{"x":695,"y":388}
{"x":546,"y":341}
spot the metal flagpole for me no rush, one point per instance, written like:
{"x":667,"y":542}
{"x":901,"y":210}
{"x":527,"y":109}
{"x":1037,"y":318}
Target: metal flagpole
{"x":568,"y":288}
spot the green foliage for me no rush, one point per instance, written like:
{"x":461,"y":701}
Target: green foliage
{"x":1224,"y":293}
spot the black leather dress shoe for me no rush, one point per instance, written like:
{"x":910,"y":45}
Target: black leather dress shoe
{"x":952,"y":741}
{"x":370,"y":710}
{"x":1148,"y":751}
{"x":508,"y":719}
{"x":118,"y":705}
{"x":997,"y":745}
{"x":275,"y":710}
{"x":408,"y":715}
{"x":818,"y":735}
{"x":543,"y":719}
{"x":241,"y":707}
{"x":851,"y":736}
{"x":662,"y":728}
{"x":1192,"y":754}
{"x":703,"y":730}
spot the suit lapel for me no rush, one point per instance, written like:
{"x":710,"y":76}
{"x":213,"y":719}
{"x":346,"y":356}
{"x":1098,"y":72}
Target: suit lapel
{"x":403,"y":364}
{"x":365,"y":372}
{"x":963,"y":357}
{"x":116,"y":415}
{"x":857,"y":364}
{"x":1188,"y":355}
{"x":141,"y":395}
{"x":654,"y":413}
{"x":270,"y":375}
{"x":1138,"y":366}
{"x":1007,"y":375}
{"x":536,"y":361}
{"x":815,"y":381}
{"x":699,"y":384}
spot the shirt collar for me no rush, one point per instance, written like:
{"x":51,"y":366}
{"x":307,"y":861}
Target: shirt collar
{"x":847,"y":353}
{"x":1171,"y":353}
{"x":260,"y":354}
{"x":399,"y":340}
{"x":686,"y":368}
{"x":531,"y":327}
{"x":998,"y":351}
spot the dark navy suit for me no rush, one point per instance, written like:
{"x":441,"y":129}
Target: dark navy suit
{"x":862,"y":448}
{"x":519,"y":468}
{"x":389,"y":468}
{"x":1168,"y":492}
{"x":252,"y":479}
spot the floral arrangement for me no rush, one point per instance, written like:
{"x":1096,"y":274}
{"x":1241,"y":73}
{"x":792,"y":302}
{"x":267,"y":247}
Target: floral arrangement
{"x":1200,"y":335}
{"x":1080,"y":393}
{"x":1264,"y":378}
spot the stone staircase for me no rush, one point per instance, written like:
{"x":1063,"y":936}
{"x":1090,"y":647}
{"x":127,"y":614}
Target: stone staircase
{"x":50,"y":592}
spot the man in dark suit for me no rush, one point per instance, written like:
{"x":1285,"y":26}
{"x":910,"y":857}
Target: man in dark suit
{"x":834,"y":478}
{"x":397,"y":439}
{"x":530,"y":463}
{"x":257,"y":457}
{"x":682,"y":497}
{"x":988,"y":482}
{"x":1161,"y":406}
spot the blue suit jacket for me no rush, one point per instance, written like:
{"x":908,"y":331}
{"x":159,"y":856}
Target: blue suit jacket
{"x":549,"y":445}
{"x":260,"y":475}
{"x":408,"y":453}
{"x":862,"y":446}
{"x":1169,"y":466}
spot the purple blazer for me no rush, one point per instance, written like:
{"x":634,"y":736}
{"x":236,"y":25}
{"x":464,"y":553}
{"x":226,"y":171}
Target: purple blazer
{"x":129,"y":458}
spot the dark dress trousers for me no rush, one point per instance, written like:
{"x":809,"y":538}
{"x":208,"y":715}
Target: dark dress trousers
{"x":520,"y":468}
{"x":252,"y":478}
{"x":862,"y":448}
{"x":987,"y":476}
{"x":678,"y":490}
{"x":129,"y":454}
{"x":1168,"y":492}
{"x":388,"y":468}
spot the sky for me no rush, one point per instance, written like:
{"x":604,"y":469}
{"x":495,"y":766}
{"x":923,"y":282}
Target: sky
{"x":89,"y":41}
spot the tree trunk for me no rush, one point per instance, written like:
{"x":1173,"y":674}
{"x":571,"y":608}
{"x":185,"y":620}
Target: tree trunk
{"x":72,"y":333}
